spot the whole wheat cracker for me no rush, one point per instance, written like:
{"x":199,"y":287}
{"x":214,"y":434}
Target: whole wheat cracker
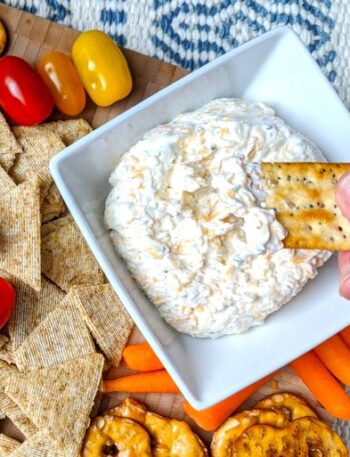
{"x":106,"y":317}
{"x":70,"y":130}
{"x":9,"y":146}
{"x":59,"y":399}
{"x":9,"y":409}
{"x":38,"y":445}
{"x":39,"y":147}
{"x":20,"y":223}
{"x":303,"y":195}
{"x":7,"y":354}
{"x":66,"y":258}
{"x":60,"y":337}
{"x":3,"y":341}
{"x":31,"y":308}
{"x":52,"y":205}
{"x":5,"y":371}
{"x":55,"y":225}
{"x":6,"y":182}
{"x":7,"y":445}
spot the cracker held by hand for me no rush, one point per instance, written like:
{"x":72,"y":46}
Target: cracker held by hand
{"x":59,"y":399}
{"x":106,"y":317}
{"x":20,"y":223}
{"x":60,"y":337}
{"x":66,"y":258}
{"x":303,"y":195}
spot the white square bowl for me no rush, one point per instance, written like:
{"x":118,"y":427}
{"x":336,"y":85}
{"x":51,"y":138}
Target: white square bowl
{"x":274,"y":68}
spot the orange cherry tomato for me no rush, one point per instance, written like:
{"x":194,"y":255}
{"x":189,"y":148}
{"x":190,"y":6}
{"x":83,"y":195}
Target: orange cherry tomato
{"x":61,"y":77}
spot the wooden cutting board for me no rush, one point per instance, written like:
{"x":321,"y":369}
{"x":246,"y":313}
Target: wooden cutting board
{"x":31,"y":37}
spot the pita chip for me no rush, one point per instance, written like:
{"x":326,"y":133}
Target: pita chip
{"x":6,"y":183}
{"x":58,"y":400}
{"x":106,"y":317}
{"x":66,"y":258}
{"x":9,"y":409}
{"x":60,"y":337}
{"x":20,"y":223}
{"x":7,"y":445}
{"x":31,"y":308}
{"x":9,"y":147}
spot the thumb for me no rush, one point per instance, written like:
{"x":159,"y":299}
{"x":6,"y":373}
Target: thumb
{"x":342,"y":194}
{"x":344,"y":269}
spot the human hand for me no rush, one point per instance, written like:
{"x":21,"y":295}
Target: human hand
{"x":343,"y":201}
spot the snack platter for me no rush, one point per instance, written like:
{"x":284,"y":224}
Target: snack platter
{"x":30,"y":38}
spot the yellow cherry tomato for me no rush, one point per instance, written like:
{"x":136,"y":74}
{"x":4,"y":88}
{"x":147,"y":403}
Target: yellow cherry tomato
{"x":102,"y":67}
{"x":61,"y":77}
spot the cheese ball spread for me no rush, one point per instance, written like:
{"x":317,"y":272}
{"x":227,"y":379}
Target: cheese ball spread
{"x":187,"y":215}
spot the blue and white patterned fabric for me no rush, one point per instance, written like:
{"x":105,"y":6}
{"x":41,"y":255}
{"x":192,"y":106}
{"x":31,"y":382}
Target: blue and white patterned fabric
{"x":190,"y":33}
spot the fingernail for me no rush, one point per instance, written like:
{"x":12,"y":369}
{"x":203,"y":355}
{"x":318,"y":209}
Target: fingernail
{"x":344,"y":287}
{"x":343,"y":194}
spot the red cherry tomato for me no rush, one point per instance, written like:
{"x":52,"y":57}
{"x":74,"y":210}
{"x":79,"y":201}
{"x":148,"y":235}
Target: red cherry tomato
{"x":7,"y":301}
{"x":23,"y":95}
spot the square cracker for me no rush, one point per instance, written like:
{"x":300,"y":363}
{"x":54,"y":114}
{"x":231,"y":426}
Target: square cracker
{"x":39,"y":146}
{"x":60,"y":337}
{"x":9,"y":147}
{"x":31,"y":308}
{"x":6,"y":183}
{"x":37,"y":445}
{"x":66,"y":258}
{"x":303,"y":196}
{"x":106,"y":317}
{"x":5,"y":371}
{"x":3,"y":341}
{"x":52,"y":205}
{"x":9,"y":409}
{"x":20,"y":223}
{"x":69,"y":131}
{"x":59,"y":399}
{"x":7,"y":354}
{"x":7,"y":445}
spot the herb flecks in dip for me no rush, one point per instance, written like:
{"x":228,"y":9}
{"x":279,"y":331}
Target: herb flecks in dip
{"x":185,"y":213}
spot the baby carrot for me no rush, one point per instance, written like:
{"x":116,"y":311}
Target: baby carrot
{"x":345,"y":334}
{"x":323,"y":385}
{"x":153,"y":381}
{"x":141,"y":357}
{"x":335,"y":354}
{"x":211,"y":418}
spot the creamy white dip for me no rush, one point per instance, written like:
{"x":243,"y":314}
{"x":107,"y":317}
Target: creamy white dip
{"x":186,"y":214}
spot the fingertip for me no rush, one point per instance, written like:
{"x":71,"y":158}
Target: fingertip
{"x":344,"y":288}
{"x":342,"y":194}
